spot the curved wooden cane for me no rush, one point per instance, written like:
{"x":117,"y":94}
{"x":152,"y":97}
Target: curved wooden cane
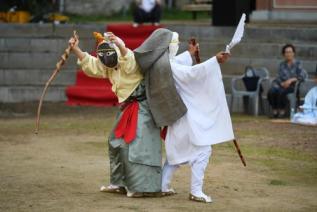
{"x":59,"y":65}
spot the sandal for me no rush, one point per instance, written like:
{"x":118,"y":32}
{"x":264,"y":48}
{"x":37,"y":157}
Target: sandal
{"x":169,"y":192}
{"x":135,"y":194}
{"x":113,"y":189}
{"x":205,"y":199}
{"x":143,"y":194}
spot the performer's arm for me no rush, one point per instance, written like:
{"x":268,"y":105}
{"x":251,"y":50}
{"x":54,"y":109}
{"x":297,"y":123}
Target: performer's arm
{"x":128,"y":63}
{"x":222,"y":57}
{"x":209,"y":66}
{"x":119,"y":43}
{"x":126,"y":59}
{"x":73,"y":42}
{"x":90,"y":65}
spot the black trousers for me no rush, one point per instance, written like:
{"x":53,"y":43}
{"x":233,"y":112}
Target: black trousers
{"x":277,"y":97}
{"x":154,"y":16}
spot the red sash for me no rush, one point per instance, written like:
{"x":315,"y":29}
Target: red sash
{"x":163,"y":133}
{"x":127,"y":125}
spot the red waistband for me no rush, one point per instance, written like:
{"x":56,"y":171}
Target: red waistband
{"x":127,"y":125}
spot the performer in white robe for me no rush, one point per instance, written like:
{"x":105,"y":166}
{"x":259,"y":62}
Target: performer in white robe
{"x":206,"y":122}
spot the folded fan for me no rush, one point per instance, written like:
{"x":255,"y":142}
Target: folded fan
{"x":237,"y":35}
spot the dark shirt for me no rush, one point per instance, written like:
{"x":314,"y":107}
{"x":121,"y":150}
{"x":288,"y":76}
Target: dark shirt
{"x":286,"y":72}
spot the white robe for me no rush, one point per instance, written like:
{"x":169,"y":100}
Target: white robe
{"x":309,"y":114}
{"x":207,"y":120}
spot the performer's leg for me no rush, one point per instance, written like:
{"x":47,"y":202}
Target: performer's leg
{"x":140,"y":178}
{"x":167,"y":175}
{"x":198,"y":167}
{"x":116,"y":169}
{"x":142,"y":157}
{"x":116,"y":166}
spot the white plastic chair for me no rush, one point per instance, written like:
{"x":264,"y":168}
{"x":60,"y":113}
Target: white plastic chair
{"x":263,"y":75}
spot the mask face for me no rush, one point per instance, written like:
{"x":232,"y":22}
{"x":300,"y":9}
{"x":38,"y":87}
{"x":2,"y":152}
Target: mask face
{"x":173,"y":46}
{"x":107,"y":55}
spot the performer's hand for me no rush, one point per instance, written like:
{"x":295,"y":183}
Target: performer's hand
{"x":222,"y":57}
{"x":114,"y":39}
{"x":73,"y":42}
{"x":118,"y":42}
{"x":193,"y":48}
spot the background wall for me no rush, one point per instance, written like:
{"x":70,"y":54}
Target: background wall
{"x":96,"y":7}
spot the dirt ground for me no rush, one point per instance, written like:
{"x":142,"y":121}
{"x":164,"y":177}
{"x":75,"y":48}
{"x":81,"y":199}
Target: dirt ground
{"x":62,"y":168}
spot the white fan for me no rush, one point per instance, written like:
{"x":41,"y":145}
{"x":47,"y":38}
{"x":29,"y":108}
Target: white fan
{"x":237,"y":35}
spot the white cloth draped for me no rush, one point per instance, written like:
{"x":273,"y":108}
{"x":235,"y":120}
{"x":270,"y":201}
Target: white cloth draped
{"x":309,"y":114}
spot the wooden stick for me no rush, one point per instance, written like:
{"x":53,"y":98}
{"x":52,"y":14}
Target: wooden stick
{"x":239,"y":152}
{"x":197,"y":56}
{"x":59,"y":65}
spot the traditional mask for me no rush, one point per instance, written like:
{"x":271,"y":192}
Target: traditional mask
{"x":107,"y":55}
{"x":174,"y":45}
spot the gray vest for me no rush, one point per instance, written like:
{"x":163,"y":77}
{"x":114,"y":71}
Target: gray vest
{"x":152,"y":56}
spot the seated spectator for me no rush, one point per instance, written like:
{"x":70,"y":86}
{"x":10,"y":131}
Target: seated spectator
{"x":147,"y":11}
{"x":290,"y":71}
{"x":308,"y":115}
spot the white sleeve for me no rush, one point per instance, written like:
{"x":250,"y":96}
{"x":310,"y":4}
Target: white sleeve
{"x":184,"y":59}
{"x":209,"y":69}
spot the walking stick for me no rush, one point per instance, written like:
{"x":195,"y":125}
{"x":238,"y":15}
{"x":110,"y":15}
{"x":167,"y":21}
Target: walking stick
{"x":59,"y":65}
{"x":197,"y":58}
{"x":239,"y":152}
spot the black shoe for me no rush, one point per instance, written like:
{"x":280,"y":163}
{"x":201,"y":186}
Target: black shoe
{"x":275,"y":115}
{"x":282,"y":114}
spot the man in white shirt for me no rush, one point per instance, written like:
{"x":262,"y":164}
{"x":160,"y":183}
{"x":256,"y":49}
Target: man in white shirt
{"x":147,"y":11}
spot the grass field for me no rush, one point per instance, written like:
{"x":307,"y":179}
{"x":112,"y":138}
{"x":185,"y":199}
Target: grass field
{"x":126,"y":16}
{"x":62,"y":168}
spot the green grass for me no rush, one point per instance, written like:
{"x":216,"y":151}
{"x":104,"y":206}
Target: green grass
{"x":277,"y":183}
{"x":240,"y":117}
{"x":167,"y":15}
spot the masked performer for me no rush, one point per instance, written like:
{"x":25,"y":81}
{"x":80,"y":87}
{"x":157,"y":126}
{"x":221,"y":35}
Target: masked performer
{"x":207,"y":120}
{"x":134,"y":142}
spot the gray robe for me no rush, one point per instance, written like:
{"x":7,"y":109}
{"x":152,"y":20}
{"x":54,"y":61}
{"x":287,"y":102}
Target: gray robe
{"x":152,"y":56}
{"x":137,"y":165}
